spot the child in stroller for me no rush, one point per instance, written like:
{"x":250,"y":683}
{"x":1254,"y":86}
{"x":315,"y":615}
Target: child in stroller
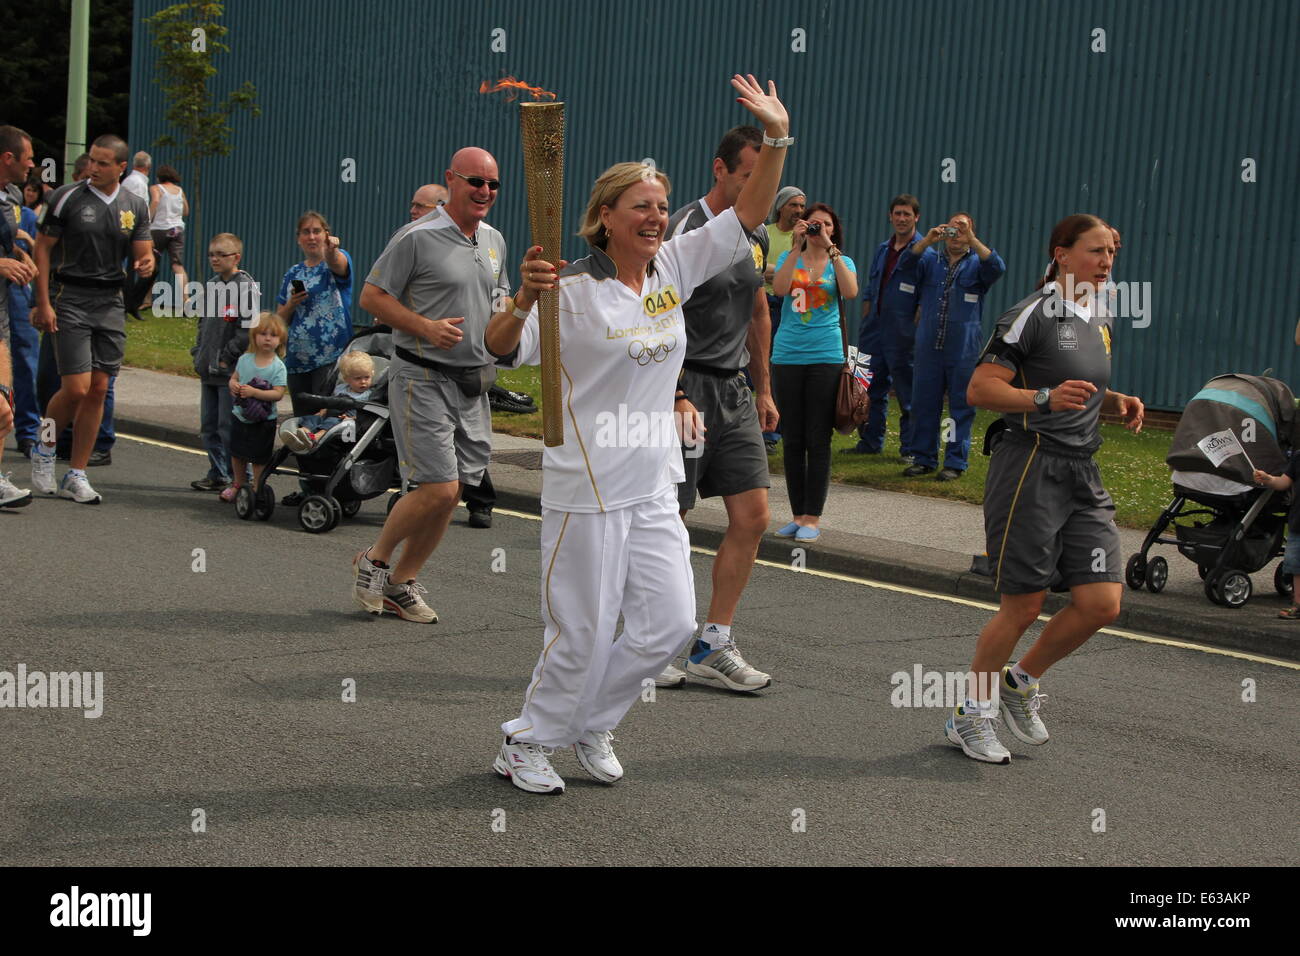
{"x":1291,"y":556}
{"x":349,"y":463}
{"x":357,"y":370}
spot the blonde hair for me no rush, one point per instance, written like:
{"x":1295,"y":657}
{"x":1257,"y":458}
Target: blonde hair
{"x":274,"y":323}
{"x":612,"y":183}
{"x":356,"y":363}
{"x":228,"y":239}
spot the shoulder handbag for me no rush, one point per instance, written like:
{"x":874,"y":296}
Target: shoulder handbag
{"x":852,"y":403}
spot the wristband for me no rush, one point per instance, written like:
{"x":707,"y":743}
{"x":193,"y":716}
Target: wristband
{"x":781,"y":143}
{"x":8,"y":394}
{"x":680,"y":396}
{"x":518,"y":313}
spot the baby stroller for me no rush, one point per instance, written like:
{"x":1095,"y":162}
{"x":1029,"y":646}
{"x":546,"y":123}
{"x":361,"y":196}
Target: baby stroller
{"x":354,"y":461}
{"x":1222,"y":521}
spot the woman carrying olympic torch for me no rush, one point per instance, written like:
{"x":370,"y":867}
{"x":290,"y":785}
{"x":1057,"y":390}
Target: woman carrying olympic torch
{"x":612,"y":542}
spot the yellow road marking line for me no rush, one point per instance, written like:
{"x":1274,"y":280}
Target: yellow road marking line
{"x":881,"y":585}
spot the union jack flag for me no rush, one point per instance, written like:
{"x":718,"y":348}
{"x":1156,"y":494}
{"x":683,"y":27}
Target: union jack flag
{"x":860,"y":362}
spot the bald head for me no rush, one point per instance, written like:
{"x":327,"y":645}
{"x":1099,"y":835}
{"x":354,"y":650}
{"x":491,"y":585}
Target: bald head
{"x":468,"y":203}
{"x":426,"y":198}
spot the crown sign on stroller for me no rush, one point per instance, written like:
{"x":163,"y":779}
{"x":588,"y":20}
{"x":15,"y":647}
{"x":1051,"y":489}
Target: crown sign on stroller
{"x":354,"y":461}
{"x":1222,"y":521}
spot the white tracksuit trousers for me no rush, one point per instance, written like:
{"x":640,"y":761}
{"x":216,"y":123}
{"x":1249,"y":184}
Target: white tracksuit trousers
{"x":634,"y":561}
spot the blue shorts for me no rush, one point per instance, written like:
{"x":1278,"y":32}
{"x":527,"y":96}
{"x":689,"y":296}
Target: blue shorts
{"x":1291,"y":557}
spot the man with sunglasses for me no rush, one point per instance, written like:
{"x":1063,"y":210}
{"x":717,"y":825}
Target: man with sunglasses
{"x":436,"y":284}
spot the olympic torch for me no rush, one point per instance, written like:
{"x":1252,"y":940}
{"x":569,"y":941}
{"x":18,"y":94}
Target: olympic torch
{"x":542,"y":128}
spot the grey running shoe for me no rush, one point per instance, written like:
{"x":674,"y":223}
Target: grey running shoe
{"x":596,"y":754}
{"x":78,"y":489}
{"x":727,"y":667}
{"x":368,"y":587}
{"x":405,"y":600}
{"x":11,"y":496}
{"x":671,"y":677}
{"x":43,"y":473}
{"x":1020,"y":710}
{"x":975,"y":734}
{"x":528,"y":766}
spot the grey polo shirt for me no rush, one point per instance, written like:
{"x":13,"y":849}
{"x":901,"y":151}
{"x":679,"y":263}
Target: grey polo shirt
{"x":432,"y":268}
{"x":719,"y":311}
{"x":1046,"y":340}
{"x":94,"y":234}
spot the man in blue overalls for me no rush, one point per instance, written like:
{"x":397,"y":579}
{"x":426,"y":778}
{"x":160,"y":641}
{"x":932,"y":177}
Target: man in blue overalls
{"x":952,"y":286}
{"x":888,"y":329}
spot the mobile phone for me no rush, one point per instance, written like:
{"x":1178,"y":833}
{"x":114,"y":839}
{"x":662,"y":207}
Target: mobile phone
{"x":297,"y":285}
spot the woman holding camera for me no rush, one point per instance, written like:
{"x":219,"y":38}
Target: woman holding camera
{"x":807,"y":356}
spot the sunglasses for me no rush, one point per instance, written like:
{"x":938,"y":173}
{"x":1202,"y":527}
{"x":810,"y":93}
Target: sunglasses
{"x":478,"y":182}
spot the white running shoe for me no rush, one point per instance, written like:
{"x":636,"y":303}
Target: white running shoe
{"x":671,"y":677}
{"x":596,"y":755}
{"x":726,"y":667}
{"x":43,"y":473}
{"x":78,"y":489}
{"x":975,"y":734}
{"x":1020,"y":710}
{"x":368,"y":583}
{"x":528,"y":766}
{"x":298,"y":440}
{"x":11,"y":496}
{"x":406,"y":600}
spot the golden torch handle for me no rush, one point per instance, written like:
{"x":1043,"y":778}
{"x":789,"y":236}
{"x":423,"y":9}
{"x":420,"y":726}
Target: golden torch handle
{"x":542,"y":128}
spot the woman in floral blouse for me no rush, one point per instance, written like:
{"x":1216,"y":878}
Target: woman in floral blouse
{"x":320,"y":316}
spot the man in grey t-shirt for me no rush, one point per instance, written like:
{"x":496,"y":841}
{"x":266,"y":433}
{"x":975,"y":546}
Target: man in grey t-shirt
{"x":728,"y":327}
{"x":436,"y":284}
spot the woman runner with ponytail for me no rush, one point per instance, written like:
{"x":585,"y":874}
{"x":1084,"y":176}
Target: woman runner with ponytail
{"x":1047,"y":369}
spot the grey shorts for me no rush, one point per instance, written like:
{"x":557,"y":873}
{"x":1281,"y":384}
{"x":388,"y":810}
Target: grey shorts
{"x":441,"y":433}
{"x":92,"y":329}
{"x":733,"y":457}
{"x":1044,"y":511}
{"x":173,"y":246}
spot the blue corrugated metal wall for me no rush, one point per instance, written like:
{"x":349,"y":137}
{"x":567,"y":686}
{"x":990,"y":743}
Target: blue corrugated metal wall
{"x":1150,"y":134}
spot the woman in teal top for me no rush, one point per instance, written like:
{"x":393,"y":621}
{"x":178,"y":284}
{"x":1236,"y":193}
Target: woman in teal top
{"x":806,"y":360}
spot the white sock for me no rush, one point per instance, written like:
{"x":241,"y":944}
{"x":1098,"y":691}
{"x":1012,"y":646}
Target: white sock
{"x":77,"y":472}
{"x":1021,"y":676}
{"x":715,"y":635}
{"x":44,"y":450}
{"x":979,"y":706}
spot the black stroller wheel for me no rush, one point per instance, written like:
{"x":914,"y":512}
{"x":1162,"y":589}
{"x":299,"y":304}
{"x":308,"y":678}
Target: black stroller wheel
{"x":393,"y":499}
{"x":1157,"y":574}
{"x":264,"y":503}
{"x":316,"y":514}
{"x":350,"y":508}
{"x":1233,"y":588}
{"x":244,"y":502}
{"x":1283,"y":583}
{"x":1135,"y":572}
{"x":1202,"y":570}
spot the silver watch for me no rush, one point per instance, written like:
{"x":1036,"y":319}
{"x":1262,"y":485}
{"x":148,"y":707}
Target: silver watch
{"x":1043,"y":400}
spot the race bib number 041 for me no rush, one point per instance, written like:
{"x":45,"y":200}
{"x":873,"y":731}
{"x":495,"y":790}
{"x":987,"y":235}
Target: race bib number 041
{"x":664,"y":300}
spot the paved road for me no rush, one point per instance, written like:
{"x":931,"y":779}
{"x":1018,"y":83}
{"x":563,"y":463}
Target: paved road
{"x":223,"y":693}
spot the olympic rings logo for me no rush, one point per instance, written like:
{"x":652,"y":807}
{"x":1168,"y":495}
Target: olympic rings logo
{"x":655,"y":348}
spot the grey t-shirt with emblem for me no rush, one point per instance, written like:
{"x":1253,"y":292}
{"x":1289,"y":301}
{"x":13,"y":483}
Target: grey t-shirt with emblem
{"x":719,"y":311}
{"x":432,"y":268}
{"x":94,"y":235}
{"x":1046,"y":340}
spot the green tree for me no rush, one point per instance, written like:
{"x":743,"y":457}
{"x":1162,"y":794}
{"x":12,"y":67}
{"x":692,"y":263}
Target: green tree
{"x":188,"y":37}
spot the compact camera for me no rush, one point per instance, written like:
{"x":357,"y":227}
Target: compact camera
{"x":814,"y":229}
{"x":948,"y":232}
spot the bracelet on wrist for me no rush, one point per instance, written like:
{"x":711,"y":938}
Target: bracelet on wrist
{"x":680,"y":396}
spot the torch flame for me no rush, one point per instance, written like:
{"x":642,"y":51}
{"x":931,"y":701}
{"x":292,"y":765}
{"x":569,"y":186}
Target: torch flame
{"x":514,"y":87}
